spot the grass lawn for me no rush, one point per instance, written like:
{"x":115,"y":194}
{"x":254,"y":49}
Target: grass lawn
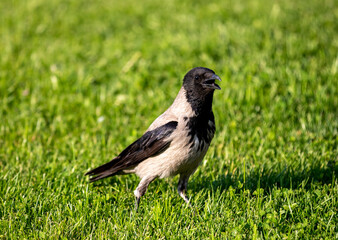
{"x":80,"y":80}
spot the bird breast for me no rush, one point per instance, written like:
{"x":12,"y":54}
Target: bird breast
{"x":183,"y":156}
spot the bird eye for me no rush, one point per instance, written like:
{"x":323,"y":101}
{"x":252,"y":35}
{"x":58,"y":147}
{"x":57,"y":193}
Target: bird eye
{"x":197,"y":77}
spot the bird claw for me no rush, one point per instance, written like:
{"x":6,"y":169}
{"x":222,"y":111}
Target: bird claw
{"x":137,"y":203}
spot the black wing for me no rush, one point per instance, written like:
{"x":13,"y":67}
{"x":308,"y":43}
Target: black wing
{"x":150,"y":144}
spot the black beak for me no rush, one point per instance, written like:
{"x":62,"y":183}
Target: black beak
{"x":210,"y":82}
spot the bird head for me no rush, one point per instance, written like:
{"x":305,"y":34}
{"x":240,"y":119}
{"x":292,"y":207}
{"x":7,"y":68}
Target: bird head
{"x":201,"y":80}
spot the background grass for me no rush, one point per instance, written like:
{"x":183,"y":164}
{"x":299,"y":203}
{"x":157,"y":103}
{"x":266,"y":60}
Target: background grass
{"x":80,"y":80}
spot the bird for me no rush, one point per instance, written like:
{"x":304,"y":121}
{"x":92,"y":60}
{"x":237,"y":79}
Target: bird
{"x":175,"y":143}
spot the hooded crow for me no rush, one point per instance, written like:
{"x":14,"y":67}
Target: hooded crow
{"x":175,"y":143}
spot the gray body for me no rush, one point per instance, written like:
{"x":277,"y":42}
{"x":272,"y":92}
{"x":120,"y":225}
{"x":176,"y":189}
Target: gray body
{"x":184,"y":159}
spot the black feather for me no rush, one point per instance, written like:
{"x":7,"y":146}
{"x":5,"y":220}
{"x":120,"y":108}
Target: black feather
{"x":199,"y":126}
{"x":150,"y":144}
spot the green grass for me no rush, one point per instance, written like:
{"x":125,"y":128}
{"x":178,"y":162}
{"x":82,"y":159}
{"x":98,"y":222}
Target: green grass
{"x":271,"y":171}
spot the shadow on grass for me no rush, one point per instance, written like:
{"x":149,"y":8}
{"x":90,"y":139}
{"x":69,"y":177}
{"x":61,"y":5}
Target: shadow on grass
{"x":268,"y":178}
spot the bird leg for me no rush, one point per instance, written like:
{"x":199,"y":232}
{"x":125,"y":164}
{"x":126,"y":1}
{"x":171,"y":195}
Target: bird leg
{"x":141,"y":190}
{"x":182,"y":188}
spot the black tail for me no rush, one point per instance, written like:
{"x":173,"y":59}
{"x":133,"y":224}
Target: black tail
{"x":103,"y":171}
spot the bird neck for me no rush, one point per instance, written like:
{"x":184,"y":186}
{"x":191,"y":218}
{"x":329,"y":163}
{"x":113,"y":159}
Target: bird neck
{"x":188,"y":106}
{"x":200,"y":104}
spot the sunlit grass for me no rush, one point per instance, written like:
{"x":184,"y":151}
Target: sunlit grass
{"x":80,"y":80}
